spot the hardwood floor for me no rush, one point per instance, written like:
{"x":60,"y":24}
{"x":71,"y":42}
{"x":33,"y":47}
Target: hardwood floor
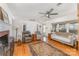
{"x":67,"y":49}
{"x":24,"y":50}
{"x":21,"y":50}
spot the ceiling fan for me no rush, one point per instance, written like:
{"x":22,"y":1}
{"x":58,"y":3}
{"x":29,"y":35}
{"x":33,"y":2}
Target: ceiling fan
{"x":49,"y":13}
{"x":59,"y":4}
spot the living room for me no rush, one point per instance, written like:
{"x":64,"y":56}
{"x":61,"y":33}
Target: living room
{"x":34,"y":28}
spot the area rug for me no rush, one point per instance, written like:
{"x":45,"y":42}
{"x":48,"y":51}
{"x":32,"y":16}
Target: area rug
{"x":41,"y":48}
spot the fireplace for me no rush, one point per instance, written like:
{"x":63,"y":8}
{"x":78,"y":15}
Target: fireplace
{"x":4,"y":43}
{"x":4,"y":38}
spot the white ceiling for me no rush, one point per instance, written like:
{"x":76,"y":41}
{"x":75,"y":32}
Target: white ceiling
{"x":27,"y":11}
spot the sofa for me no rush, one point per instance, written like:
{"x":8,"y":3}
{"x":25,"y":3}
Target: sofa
{"x":65,"y":38}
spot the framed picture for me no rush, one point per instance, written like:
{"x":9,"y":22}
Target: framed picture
{"x":62,"y":27}
{"x":1,"y":15}
{"x":4,"y":15}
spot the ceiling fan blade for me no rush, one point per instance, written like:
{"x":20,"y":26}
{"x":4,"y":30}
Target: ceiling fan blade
{"x":51,"y":10}
{"x":41,"y":13}
{"x":54,"y":14}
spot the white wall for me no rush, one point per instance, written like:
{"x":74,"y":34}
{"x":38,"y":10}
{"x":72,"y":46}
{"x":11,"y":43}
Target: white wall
{"x":31,"y":26}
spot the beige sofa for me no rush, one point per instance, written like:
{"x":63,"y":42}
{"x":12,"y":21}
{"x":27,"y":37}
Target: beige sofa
{"x":65,"y":38}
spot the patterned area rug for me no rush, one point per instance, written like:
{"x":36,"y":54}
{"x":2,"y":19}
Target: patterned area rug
{"x":44,"y":49}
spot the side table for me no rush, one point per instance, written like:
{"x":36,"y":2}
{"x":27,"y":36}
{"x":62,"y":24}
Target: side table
{"x":34,"y":37}
{"x":19,"y":42}
{"x":49,"y":36}
{"x":77,"y":43}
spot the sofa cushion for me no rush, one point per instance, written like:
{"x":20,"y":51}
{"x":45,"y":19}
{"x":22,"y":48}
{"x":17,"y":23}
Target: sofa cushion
{"x":63,"y":34}
{"x":60,"y":38}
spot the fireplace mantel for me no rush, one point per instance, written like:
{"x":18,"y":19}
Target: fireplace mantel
{"x":2,"y":33}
